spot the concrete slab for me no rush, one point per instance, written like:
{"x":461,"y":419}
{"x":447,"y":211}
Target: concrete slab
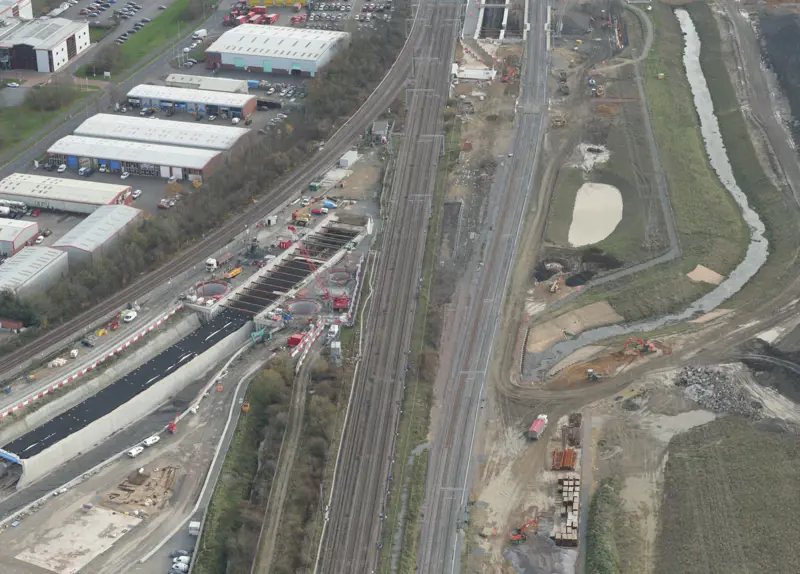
{"x":85,"y":534}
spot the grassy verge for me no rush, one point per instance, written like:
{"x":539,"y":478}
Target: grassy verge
{"x":19,"y":123}
{"x":559,"y":217}
{"x":722,"y":512}
{"x":233,"y":519}
{"x":777,"y":209}
{"x":97,"y":33}
{"x":415,"y":420}
{"x":602,"y":552}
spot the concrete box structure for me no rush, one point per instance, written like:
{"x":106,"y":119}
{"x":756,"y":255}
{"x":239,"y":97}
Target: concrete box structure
{"x":166,"y":132}
{"x":16,"y":9}
{"x":203,"y":102}
{"x":15,"y":233}
{"x":275,"y":49}
{"x":44,"y":45}
{"x":93,"y":237}
{"x":135,"y":157}
{"x":33,"y":270}
{"x":207,"y":83}
{"x":57,"y":194}
{"x":348,"y":159}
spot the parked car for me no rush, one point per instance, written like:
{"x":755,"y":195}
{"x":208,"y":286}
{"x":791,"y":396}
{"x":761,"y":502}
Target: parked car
{"x":135,"y":451}
{"x":136,"y":193}
{"x":62,"y":168}
{"x":129,"y":316}
{"x":47,"y":232}
{"x":124,"y":175}
{"x":39,"y":239}
{"x":150,"y":441}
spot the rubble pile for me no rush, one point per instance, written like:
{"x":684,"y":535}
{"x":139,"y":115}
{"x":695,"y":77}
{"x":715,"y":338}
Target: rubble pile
{"x":716,"y":390}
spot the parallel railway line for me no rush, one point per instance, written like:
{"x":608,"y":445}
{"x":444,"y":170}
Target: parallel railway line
{"x":361,"y":484}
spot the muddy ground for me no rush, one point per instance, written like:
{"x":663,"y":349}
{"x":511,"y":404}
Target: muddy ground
{"x":780,"y":48}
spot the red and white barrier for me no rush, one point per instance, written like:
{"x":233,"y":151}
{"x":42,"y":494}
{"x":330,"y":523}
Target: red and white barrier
{"x":305,"y":345}
{"x":36,"y":396}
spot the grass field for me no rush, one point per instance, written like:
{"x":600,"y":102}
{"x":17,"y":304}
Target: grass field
{"x":560,"y":216}
{"x":730,"y":501}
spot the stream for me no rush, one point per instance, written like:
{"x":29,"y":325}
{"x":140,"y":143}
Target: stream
{"x":757,"y":250}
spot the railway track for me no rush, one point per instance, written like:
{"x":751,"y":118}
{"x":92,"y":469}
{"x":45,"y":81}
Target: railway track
{"x":377,"y":102}
{"x":360,"y":491}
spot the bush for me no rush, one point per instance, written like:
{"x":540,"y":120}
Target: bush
{"x":49,"y":97}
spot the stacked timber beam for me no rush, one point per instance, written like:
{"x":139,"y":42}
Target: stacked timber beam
{"x":566,"y":532}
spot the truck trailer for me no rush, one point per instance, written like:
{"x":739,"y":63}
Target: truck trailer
{"x":538,"y":427}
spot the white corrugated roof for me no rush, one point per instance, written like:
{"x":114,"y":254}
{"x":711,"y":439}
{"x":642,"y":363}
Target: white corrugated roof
{"x":23,"y":266}
{"x":188,"y":96}
{"x":209,"y":83}
{"x":277,"y":42}
{"x":40,"y":34}
{"x":165,"y":132}
{"x":11,"y":228}
{"x":22,"y":185}
{"x":99,"y":227}
{"x":133,"y":152}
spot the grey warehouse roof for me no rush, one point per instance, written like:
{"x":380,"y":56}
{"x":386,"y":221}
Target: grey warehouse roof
{"x":277,"y":42}
{"x":168,"y":94}
{"x":133,"y":152}
{"x":98,"y":228}
{"x":11,"y":228}
{"x":23,"y":266}
{"x":209,"y":83}
{"x":137,"y":128}
{"x":41,"y":34}
{"x":22,"y":185}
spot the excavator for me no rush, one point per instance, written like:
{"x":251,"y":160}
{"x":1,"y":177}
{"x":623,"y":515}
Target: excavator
{"x":518,"y":535}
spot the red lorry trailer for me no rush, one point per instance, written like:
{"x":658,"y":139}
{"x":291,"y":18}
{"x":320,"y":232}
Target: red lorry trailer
{"x":272,"y":18}
{"x":537,"y":428}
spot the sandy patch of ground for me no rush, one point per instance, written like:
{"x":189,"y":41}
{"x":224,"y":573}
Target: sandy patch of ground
{"x":592,"y":155}
{"x":542,"y":336}
{"x":597,"y":212}
{"x":85,"y":534}
{"x":706,"y":275}
{"x":363,"y":180}
{"x":710,"y":316}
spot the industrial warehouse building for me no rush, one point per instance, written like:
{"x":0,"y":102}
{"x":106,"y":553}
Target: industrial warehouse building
{"x":275,"y":49}
{"x":207,"y":83}
{"x":33,"y":270}
{"x":166,"y":132}
{"x":43,"y":45}
{"x":135,"y":158}
{"x":57,"y":194}
{"x":93,"y":237}
{"x":15,"y":233}
{"x":201,"y":102}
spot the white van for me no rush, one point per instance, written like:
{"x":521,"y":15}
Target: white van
{"x":135,"y":451}
{"x":333,"y":332}
{"x":150,"y":441}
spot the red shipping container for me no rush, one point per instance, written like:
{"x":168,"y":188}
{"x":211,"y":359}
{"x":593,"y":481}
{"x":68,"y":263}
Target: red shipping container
{"x":295,"y":340}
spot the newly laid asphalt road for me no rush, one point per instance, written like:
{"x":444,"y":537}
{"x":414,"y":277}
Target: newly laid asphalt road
{"x":447,"y":485}
{"x":123,"y":390}
{"x":350,"y":542}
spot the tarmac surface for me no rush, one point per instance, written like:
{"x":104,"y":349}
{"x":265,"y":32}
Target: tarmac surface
{"x":447,"y":484}
{"x":350,"y":541}
{"x":123,"y":390}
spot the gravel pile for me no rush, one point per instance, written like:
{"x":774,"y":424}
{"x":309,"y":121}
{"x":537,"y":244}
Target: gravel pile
{"x":714,"y":389}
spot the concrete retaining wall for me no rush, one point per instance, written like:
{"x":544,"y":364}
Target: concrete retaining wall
{"x":119,"y":369}
{"x":140,"y":406}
